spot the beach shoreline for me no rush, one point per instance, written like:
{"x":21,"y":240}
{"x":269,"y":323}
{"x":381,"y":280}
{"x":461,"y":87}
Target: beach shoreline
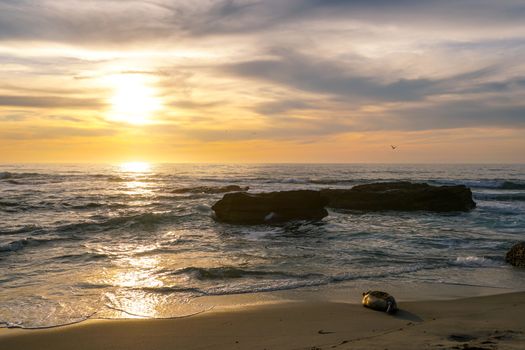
{"x":481,"y":322}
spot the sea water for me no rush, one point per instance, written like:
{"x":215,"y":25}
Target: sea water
{"x":103,"y":241}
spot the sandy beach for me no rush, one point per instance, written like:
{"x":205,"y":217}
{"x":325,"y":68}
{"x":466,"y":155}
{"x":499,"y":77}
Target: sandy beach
{"x":488,"y":322}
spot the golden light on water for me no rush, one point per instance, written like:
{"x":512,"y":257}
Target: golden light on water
{"x":135,"y":167}
{"x":137,"y":273}
{"x":134,"y":100}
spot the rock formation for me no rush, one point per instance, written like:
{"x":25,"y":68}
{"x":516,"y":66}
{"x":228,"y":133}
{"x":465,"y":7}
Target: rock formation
{"x":401,"y":196}
{"x":516,"y":255}
{"x":271,"y":207}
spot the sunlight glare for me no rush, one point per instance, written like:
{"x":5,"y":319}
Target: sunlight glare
{"x":134,"y":99}
{"x":135,"y":167}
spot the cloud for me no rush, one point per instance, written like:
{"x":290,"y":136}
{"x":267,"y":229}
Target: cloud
{"x":457,"y":114}
{"x":331,"y":77}
{"x":50,"y":102}
{"x":284,"y":106}
{"x":49,"y":132}
{"x":118,"y":22}
{"x":268,"y":69}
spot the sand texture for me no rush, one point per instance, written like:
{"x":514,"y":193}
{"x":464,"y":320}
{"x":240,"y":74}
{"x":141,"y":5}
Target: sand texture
{"x":492,"y":322}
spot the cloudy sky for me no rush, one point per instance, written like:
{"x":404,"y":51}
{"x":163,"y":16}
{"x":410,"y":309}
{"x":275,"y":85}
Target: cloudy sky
{"x":262,"y":81}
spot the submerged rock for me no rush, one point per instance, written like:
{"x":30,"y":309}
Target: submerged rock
{"x":516,"y":255}
{"x":270,"y":207}
{"x":402,"y":196}
{"x":380,"y":301}
{"x":212,"y":190}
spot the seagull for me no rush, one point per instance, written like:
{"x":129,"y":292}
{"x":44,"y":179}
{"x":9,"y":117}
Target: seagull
{"x":393,"y":147}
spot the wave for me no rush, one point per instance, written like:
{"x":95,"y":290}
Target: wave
{"x":510,"y":185}
{"x":211,"y":189}
{"x":14,"y":246}
{"x":215,"y":273}
{"x":501,"y":184}
{"x":10,"y":175}
{"x":144,"y":220}
{"x":504,"y":197}
{"x":13,"y":207}
{"x":314,"y":280}
{"x":334,"y":181}
{"x":82,"y":257}
{"x":20,"y":244}
{"x":94,"y":205}
{"x":14,"y":182}
{"x":23,"y":229}
{"x":279,"y":280}
{"x":170,"y":290}
{"x":477,"y":261}
{"x":115,"y":179}
{"x":384,"y":272}
{"x":8,"y":204}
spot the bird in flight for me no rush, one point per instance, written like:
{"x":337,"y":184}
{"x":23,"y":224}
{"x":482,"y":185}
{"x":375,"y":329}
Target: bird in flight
{"x":393,"y":147}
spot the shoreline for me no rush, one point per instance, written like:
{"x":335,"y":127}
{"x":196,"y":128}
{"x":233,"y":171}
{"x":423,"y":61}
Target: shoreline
{"x":346,"y":292}
{"x":480,"y":322}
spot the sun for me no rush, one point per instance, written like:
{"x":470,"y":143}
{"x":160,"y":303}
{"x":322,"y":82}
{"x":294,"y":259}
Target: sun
{"x":134,"y":99}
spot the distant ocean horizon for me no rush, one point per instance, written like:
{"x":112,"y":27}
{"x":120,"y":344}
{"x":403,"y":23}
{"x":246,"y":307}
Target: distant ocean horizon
{"x":81,"y":241}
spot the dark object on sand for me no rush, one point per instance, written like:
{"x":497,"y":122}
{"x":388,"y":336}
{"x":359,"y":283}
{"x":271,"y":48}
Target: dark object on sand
{"x":212,"y":190}
{"x":401,"y":196}
{"x":380,"y":301}
{"x":516,"y":255}
{"x":271,"y":207}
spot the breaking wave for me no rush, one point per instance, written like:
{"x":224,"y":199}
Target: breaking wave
{"x":477,"y":261}
{"x":233,"y":272}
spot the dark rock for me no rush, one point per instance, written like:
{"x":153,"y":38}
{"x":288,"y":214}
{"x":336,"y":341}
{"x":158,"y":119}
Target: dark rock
{"x":461,"y":337}
{"x":249,"y":208}
{"x":516,"y":255}
{"x":402,"y":196}
{"x":211,"y":190}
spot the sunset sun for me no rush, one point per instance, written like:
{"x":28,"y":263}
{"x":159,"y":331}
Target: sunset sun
{"x":134,"y":100}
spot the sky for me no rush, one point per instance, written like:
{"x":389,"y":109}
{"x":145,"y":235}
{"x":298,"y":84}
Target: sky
{"x":324,"y":81}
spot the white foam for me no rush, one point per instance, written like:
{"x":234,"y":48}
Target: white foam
{"x":475,"y":261}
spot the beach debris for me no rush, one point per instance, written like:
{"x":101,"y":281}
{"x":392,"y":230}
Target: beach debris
{"x":380,"y":301}
{"x":401,"y":196}
{"x":270,"y":207}
{"x":516,"y":255}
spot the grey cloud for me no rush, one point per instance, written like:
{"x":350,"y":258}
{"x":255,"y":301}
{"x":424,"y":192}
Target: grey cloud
{"x":460,"y":114}
{"x":49,"y":102}
{"x":17,"y":90}
{"x":283,"y":106}
{"x":330,"y":77}
{"x":118,"y":22}
{"x":96,"y":21}
{"x":238,"y":17}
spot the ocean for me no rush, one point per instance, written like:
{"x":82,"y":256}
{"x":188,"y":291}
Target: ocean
{"x":109,"y":241}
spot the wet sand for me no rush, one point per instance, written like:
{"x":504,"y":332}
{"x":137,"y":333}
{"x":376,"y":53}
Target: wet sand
{"x":487,"y":322}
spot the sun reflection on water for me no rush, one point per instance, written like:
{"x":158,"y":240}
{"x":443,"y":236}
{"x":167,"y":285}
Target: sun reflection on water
{"x":136,"y":175}
{"x":132,"y":280}
{"x":135,"y":167}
